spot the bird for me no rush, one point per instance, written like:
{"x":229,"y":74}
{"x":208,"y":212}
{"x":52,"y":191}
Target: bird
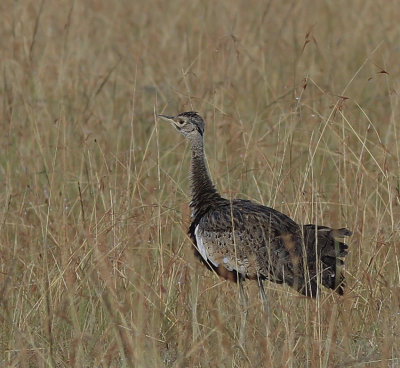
{"x":240,"y":239}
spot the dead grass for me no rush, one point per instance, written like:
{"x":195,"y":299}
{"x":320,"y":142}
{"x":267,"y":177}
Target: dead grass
{"x":302,"y":108}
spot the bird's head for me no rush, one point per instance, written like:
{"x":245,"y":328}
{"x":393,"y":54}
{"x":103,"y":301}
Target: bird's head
{"x":190,"y":124}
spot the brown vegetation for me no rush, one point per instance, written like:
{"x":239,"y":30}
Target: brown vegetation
{"x":301,"y":101}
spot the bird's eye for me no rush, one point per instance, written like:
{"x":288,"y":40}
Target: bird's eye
{"x":180,"y":121}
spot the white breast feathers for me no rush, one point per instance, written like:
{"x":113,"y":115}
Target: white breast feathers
{"x":201,"y":247}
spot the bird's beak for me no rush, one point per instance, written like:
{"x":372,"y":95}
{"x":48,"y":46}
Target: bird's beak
{"x":169,"y":119}
{"x":166,"y":117}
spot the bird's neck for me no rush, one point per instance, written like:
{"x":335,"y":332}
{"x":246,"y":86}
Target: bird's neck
{"x":204,"y":194}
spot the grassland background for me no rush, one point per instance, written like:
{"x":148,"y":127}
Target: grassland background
{"x":96,"y":268}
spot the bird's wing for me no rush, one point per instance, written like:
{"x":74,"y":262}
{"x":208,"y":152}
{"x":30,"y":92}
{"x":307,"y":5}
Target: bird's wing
{"x":257,"y":241}
{"x":249,"y":238}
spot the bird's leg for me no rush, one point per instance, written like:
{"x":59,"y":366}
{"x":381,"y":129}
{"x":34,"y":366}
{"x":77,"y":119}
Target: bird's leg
{"x":263,"y":295}
{"x":244,"y":312}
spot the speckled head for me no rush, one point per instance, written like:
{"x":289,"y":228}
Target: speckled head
{"x":189,"y":123}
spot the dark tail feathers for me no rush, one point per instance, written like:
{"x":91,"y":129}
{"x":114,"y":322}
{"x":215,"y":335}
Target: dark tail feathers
{"x":329,"y":250}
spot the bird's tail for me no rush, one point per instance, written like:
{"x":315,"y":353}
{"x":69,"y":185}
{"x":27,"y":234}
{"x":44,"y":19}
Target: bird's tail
{"x":325,"y":251}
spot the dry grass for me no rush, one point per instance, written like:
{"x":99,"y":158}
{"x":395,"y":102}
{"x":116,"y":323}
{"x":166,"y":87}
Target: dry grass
{"x":96,"y":268}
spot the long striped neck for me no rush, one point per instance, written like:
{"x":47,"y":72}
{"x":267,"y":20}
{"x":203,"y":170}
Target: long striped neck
{"x":204,"y":194}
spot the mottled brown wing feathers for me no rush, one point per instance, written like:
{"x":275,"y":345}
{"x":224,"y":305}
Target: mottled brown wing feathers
{"x":268,"y":244}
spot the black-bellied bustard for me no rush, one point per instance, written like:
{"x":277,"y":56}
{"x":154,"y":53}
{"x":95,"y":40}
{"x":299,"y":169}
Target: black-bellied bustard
{"x":240,"y":239}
